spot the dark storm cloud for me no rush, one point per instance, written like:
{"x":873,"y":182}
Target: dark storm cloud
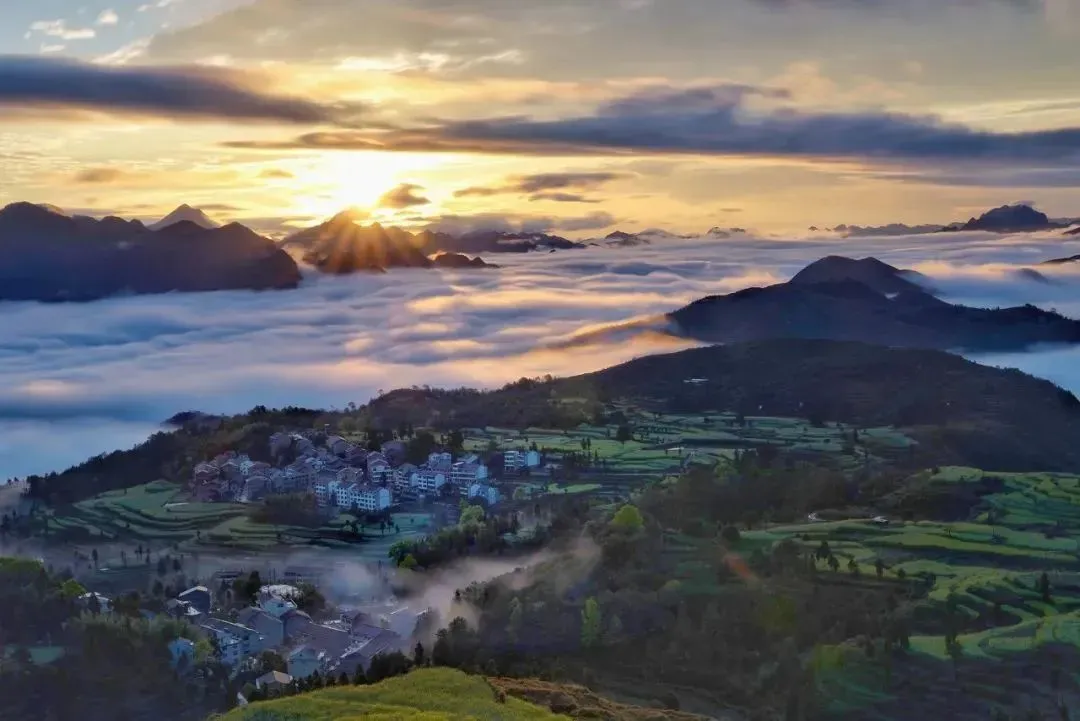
{"x":61,"y":85}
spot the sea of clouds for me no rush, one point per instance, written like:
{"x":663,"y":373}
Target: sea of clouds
{"x":80,"y":379}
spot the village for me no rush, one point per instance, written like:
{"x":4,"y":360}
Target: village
{"x":241,"y":632}
{"x":343,"y":476}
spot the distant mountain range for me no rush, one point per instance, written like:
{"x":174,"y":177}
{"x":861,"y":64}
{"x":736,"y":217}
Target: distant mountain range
{"x":46,"y":255}
{"x":621,"y":239}
{"x":1018,"y":218}
{"x":342,"y":245}
{"x":870,"y":301}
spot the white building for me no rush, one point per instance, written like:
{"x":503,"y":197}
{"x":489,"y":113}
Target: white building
{"x":378,"y":468}
{"x":365,"y":497}
{"x":514,"y":461}
{"x":440,"y":460}
{"x":276,"y":607}
{"x":248,"y":641}
{"x":488,"y":494}
{"x":304,"y":661}
{"x":229,"y":650}
{"x":351,"y":475}
{"x":428,"y":481}
{"x":465,"y":473}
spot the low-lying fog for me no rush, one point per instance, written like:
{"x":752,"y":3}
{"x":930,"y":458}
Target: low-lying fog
{"x":80,"y":379}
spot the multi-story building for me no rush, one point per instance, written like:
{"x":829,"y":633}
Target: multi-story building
{"x":428,"y":482}
{"x":325,"y":490}
{"x":514,"y":461}
{"x":488,"y":494}
{"x":338,"y":445}
{"x":378,"y":468}
{"x":464,"y":474}
{"x":350,"y":475}
{"x":440,"y":460}
{"x":365,"y":497}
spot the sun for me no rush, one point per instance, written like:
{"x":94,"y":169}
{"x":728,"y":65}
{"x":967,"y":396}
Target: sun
{"x":336,"y":181}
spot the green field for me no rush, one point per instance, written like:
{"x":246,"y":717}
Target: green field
{"x":156,"y":513}
{"x":427,"y":694}
{"x":661,"y":444}
{"x":987,"y":569}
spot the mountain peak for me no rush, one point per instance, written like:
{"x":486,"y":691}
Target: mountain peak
{"x":871,"y":272}
{"x":1008,"y":219}
{"x":185,"y":213}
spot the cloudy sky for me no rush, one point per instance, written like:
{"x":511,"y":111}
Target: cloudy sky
{"x":686,"y":114}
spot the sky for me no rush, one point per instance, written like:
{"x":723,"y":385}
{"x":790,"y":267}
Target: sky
{"x":772,"y":115}
{"x":104,"y":375}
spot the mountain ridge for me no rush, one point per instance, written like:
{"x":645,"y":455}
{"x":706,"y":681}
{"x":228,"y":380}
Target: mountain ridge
{"x":866,"y":300}
{"x":48,"y":256}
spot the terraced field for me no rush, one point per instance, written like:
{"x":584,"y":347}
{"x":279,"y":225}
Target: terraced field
{"x":988,"y":570}
{"x":660,"y":445}
{"x":154,"y":512}
{"x":157,"y":513}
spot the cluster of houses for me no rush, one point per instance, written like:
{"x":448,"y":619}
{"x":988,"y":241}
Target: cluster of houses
{"x":274,"y":623}
{"x":343,"y":475}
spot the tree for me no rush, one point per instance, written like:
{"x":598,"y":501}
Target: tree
{"x":624,"y":434}
{"x":360,"y":679}
{"x":268,"y":661}
{"x":409,"y":563}
{"x":853,"y":567}
{"x":1044,"y":587}
{"x":310,"y":599}
{"x":418,"y":654}
{"x":94,"y":555}
{"x":456,"y":441}
{"x":591,"y":623}
{"x":879,"y":567}
{"x":513,"y":627}
{"x":628,"y":518}
{"x":730,"y":534}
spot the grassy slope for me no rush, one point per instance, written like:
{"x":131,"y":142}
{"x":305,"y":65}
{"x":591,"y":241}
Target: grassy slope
{"x":440,"y":693}
{"x":428,"y":694}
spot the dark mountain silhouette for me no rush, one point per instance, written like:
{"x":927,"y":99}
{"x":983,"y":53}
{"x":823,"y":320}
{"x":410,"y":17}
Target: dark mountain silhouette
{"x":1007,"y":219}
{"x":1062,"y":261}
{"x":457,"y":260}
{"x":891,"y":229}
{"x":1074,"y":231}
{"x":46,"y":255}
{"x":871,"y":272}
{"x":868,"y":301}
{"x":492,"y":241}
{"x":341,"y":245}
{"x":960,"y":412}
{"x":185,"y":212}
